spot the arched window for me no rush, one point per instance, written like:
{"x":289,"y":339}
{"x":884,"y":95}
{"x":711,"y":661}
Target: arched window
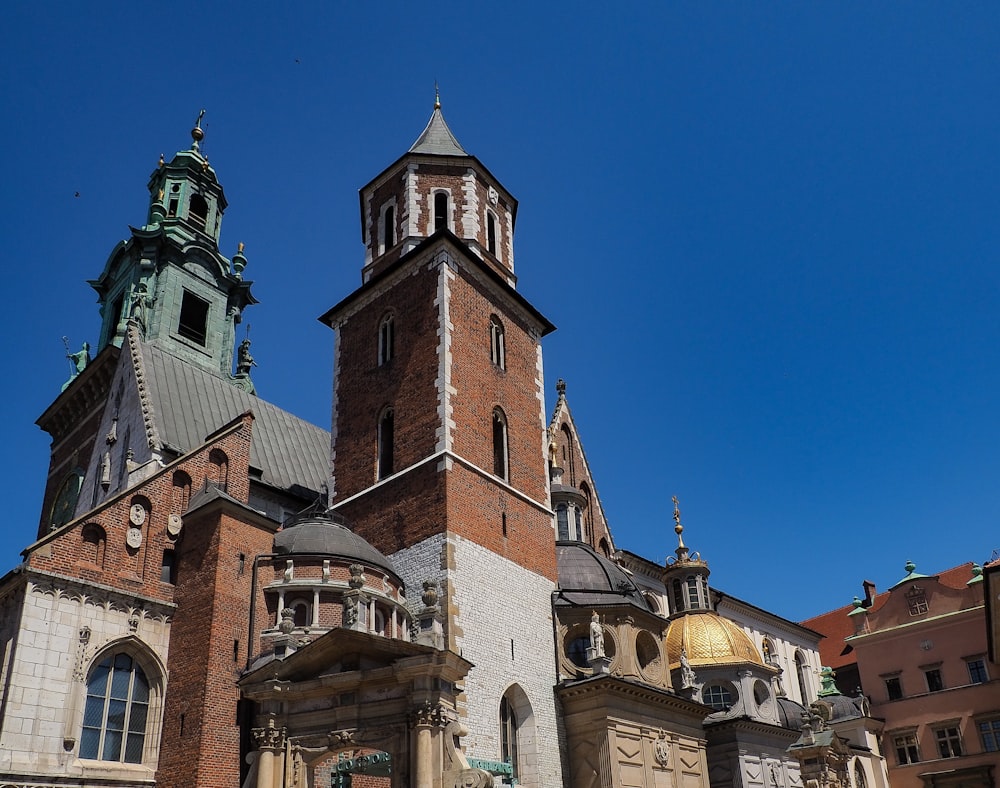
{"x":508,"y":734}
{"x":218,"y":468}
{"x":198,"y":210}
{"x":388,"y":228}
{"x":386,"y":437}
{"x":800,"y":674}
{"x":440,"y":211}
{"x":116,"y":712}
{"x":498,"y":350}
{"x":386,"y":340}
{"x":859,"y":775}
{"x":678,"y":597}
{"x":569,"y":456}
{"x":302,"y":616}
{"x":770,"y":654}
{"x":491,"y":232}
{"x":94,"y":541}
{"x":168,"y":569}
{"x":500,"y":464}
{"x":181,"y":493}
{"x":605,"y":547}
{"x":562,"y":523}
{"x":588,"y":509}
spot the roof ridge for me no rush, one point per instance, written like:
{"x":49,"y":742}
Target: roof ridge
{"x":145,"y":400}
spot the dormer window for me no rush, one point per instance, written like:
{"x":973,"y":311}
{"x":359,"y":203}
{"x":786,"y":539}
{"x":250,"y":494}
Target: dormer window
{"x":386,"y":340}
{"x":193,"y":321}
{"x":440,"y":210}
{"x":198,"y":211}
{"x":569,"y":523}
{"x":498,"y":350}
{"x":916,"y":599}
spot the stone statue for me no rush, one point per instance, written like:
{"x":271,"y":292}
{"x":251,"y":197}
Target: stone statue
{"x":137,"y":311}
{"x":244,"y":360}
{"x":596,"y":635}
{"x":80,"y":359}
{"x":687,"y":672}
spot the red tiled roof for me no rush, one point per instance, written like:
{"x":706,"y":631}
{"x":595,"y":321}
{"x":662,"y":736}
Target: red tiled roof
{"x":835,"y":626}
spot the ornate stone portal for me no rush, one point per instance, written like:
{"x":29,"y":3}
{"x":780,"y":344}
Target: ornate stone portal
{"x":355,"y":696}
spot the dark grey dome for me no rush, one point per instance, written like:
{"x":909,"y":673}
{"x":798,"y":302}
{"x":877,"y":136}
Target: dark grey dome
{"x":326,"y":535}
{"x":842,"y":707}
{"x":790,"y":713}
{"x":587,"y":578}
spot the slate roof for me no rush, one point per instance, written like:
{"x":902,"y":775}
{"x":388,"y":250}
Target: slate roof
{"x":437,"y":139}
{"x":189,"y":404}
{"x":588,"y":579}
{"x":324,"y":535}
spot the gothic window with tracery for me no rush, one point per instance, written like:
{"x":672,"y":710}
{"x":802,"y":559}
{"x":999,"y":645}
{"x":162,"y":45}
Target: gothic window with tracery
{"x":116,"y":711}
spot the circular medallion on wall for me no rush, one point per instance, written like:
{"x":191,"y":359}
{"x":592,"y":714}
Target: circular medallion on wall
{"x":137,"y":514}
{"x":134,"y":537}
{"x":174,"y":524}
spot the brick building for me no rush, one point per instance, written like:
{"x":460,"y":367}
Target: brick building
{"x":221,"y":594}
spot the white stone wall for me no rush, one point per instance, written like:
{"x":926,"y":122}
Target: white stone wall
{"x":497,"y":602}
{"x":40,"y":729}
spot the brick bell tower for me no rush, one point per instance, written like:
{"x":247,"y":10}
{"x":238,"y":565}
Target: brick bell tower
{"x":438,"y":432}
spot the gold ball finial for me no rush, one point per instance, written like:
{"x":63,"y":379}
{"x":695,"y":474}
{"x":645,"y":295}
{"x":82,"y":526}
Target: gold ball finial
{"x":196,"y":133}
{"x":161,"y":162}
{"x":239,"y":247}
{"x":437,"y":96}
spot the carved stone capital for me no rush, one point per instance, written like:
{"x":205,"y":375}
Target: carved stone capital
{"x":430,"y":715}
{"x":268,"y":738}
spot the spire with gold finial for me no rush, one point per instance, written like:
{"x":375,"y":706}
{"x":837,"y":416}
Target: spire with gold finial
{"x":682,"y":551}
{"x":197,"y":135}
{"x":437,"y":96}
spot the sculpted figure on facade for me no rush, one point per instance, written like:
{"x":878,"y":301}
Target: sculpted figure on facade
{"x":596,"y":635}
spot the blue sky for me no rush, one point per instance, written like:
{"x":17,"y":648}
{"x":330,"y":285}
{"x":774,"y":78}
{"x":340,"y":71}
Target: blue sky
{"x":767,"y":234}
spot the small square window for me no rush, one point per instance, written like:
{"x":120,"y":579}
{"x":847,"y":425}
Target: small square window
{"x":894,"y":688}
{"x":989,"y":734}
{"x":934,"y":681}
{"x":193,"y":321}
{"x":977,"y":670}
{"x":949,"y":742}
{"x":906,"y":748}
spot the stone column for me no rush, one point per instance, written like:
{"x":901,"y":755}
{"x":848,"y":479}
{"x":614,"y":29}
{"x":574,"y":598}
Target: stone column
{"x":270,"y":743}
{"x":426,"y":724}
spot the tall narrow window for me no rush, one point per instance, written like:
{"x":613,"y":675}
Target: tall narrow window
{"x":800,"y":674}
{"x":498,"y":349}
{"x":198,"y":210}
{"x":491,"y":233}
{"x":388,"y":228}
{"x":508,"y":734}
{"x":168,"y":569}
{"x":386,"y":340}
{"x":578,"y":521}
{"x":114,"y":719}
{"x":500,"y":444}
{"x":440,"y":211}
{"x":193,"y":321}
{"x":859,"y":775}
{"x":386,"y":428}
{"x":562,"y":522}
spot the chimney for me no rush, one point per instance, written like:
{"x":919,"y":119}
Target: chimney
{"x":869,"y":587}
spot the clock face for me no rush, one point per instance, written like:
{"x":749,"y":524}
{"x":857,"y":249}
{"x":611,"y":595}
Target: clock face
{"x":65,"y":502}
{"x":137,"y":514}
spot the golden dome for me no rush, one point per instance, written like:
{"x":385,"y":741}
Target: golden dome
{"x":709,"y":639}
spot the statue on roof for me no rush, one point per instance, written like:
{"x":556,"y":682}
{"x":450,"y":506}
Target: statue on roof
{"x":244,"y":361}
{"x":78,"y":361}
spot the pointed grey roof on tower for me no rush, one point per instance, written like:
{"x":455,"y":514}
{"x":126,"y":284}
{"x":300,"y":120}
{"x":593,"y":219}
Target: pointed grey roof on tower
{"x":437,"y":139}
